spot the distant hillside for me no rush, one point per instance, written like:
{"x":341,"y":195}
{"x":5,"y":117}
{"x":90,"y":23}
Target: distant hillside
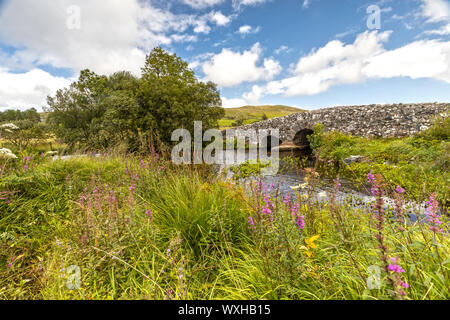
{"x":251,"y":114}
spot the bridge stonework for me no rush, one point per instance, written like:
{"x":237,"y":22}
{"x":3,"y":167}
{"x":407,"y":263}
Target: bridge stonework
{"x":395,"y":120}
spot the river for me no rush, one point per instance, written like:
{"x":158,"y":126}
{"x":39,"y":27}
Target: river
{"x":287,"y":178}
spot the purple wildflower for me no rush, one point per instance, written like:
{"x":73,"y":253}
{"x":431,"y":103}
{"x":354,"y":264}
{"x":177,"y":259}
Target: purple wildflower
{"x":287,"y":199}
{"x":252,"y":223}
{"x":432,"y":214}
{"x":399,"y":190}
{"x":301,"y":222}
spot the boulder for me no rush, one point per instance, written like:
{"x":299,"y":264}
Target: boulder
{"x":353,"y":159}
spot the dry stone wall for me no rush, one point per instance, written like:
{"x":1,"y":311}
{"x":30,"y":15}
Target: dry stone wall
{"x":395,"y":120}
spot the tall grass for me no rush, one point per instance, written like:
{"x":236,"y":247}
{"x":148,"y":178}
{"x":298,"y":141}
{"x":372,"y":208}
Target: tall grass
{"x":144,"y":229}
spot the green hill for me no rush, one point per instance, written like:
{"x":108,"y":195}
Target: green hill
{"x":251,"y":114}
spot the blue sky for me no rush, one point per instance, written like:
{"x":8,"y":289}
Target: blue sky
{"x":305,"y":53}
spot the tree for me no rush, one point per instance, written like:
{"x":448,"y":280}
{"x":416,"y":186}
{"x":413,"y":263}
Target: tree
{"x":16,"y":115}
{"x":172,"y":98}
{"x":76,"y":111}
{"x":100,"y":112}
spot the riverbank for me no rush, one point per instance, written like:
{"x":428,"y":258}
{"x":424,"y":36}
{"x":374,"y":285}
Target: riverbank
{"x":419,"y":163}
{"x":132,"y":228}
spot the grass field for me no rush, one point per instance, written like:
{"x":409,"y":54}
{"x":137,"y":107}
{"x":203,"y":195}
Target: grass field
{"x":120,"y":227}
{"x":251,"y":114}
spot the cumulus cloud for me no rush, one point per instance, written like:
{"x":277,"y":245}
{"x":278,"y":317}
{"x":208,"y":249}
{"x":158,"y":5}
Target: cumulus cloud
{"x":338,"y":63}
{"x":107,"y":39}
{"x":233,"y":103}
{"x":253,"y":96}
{"x":230,"y":68}
{"x":200,"y":4}
{"x":335,"y":63}
{"x":28,"y":89}
{"x":420,"y":59}
{"x":436,"y":10}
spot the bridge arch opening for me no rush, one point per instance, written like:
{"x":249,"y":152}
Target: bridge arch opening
{"x":270,"y":142}
{"x":301,"y":138}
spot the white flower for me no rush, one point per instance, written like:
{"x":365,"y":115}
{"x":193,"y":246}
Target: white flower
{"x":10,"y":126}
{"x":302,"y":186}
{"x":322,"y":195}
{"x":4,"y":150}
{"x":7,"y":154}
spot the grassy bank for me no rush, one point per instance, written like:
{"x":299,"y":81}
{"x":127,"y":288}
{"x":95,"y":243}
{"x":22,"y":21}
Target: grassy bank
{"x":419,"y":163}
{"x":144,"y":229}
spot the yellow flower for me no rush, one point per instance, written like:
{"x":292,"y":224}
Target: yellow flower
{"x":310,"y":242}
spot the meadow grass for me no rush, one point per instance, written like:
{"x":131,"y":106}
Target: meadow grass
{"x":145,"y":229}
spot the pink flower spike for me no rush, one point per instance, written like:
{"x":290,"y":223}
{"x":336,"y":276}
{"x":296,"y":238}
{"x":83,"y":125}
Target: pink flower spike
{"x":399,"y":190}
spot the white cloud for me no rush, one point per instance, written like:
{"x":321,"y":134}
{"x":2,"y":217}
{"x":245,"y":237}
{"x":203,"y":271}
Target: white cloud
{"x":110,"y":38}
{"x":28,"y":89}
{"x":230,"y":68}
{"x":216,"y":17}
{"x":219,"y":18}
{"x":183,"y":38}
{"x":200,"y":4}
{"x":306,"y":3}
{"x":420,"y":59}
{"x":335,"y":63}
{"x":233,"y":103}
{"x":238,"y":3}
{"x":436,"y":10}
{"x":282,"y":49}
{"x":253,"y":96}
{"x":202,"y":27}
{"x":246,"y":29}
{"x":107,"y":40}
{"x":338,"y":63}
{"x":443,"y":31}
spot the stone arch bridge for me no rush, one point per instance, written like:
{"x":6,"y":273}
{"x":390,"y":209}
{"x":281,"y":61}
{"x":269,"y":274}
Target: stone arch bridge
{"x":395,"y":120}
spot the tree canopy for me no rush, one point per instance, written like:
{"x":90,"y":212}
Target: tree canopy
{"x":104,"y":111}
{"x":17,"y":115}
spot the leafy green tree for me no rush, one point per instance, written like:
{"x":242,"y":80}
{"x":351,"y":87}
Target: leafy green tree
{"x":100,"y":112}
{"x":122,"y":119}
{"x":239,"y":122}
{"x":171,"y":97}
{"x":76,"y":111}
{"x":17,"y":115}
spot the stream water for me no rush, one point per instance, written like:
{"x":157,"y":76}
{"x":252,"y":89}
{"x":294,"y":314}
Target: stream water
{"x":286,"y":178}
